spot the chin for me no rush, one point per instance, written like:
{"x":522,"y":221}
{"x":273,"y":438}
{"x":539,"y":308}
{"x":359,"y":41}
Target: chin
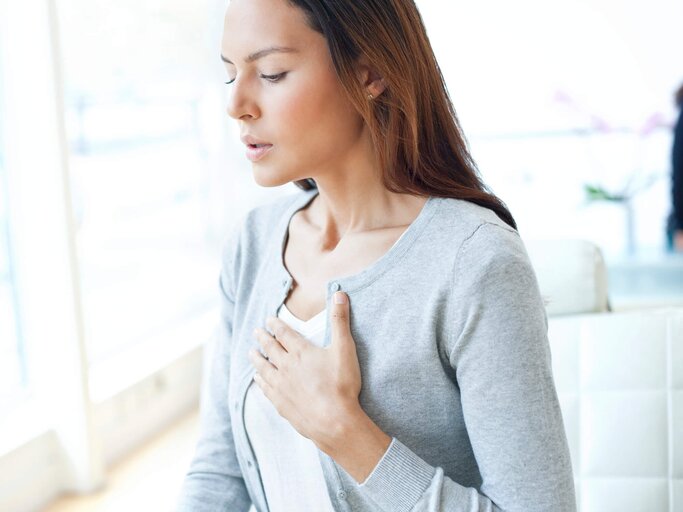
{"x":266,"y":177}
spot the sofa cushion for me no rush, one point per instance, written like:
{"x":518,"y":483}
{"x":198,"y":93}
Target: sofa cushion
{"x":571,"y":274}
{"x":619,"y":380}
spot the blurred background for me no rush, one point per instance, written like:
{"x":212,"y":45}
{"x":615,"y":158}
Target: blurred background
{"x":120,"y":174}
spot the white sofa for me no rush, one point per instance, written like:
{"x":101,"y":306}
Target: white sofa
{"x":619,"y":378}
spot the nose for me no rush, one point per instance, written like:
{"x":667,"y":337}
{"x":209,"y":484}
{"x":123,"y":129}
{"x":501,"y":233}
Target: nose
{"x":241,"y":104}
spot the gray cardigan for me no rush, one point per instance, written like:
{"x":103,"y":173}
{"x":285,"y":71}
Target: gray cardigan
{"x":451,"y":337}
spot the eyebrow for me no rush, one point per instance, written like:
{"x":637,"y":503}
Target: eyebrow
{"x":262,"y":53}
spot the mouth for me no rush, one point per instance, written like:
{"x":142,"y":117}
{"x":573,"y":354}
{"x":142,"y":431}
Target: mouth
{"x":257,"y":151}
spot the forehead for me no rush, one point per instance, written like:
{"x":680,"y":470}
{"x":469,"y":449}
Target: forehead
{"x":250,"y":25}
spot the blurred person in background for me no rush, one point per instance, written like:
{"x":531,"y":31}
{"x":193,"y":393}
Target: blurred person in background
{"x":675,"y":221}
{"x":383,"y":341}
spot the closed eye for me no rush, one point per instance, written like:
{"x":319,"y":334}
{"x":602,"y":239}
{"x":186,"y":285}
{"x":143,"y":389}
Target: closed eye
{"x":274,"y":78}
{"x":270,"y":78}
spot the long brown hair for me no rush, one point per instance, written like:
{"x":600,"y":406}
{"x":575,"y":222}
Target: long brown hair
{"x":420,"y":145}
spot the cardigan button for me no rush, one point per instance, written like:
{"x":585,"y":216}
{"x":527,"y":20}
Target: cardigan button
{"x":341,"y":494}
{"x":335,"y":287}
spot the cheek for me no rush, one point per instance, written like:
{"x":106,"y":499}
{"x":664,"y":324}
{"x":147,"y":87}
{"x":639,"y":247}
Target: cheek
{"x":294,"y":113}
{"x":318,"y":121}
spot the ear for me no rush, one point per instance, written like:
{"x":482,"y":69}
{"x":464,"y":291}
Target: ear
{"x":369,"y":77}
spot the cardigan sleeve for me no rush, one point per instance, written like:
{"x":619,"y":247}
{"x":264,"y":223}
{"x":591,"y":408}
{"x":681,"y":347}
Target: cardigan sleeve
{"x":214,"y":480}
{"x":500,"y":352}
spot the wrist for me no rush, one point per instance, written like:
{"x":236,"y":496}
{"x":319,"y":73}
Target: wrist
{"x":338,"y":427}
{"x":356,"y":443}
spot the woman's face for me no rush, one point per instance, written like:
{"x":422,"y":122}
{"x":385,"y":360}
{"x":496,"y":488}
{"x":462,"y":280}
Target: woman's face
{"x":292,"y":100}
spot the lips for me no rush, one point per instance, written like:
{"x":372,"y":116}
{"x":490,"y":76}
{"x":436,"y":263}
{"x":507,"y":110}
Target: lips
{"x":252,"y":141}
{"x":256,"y":152}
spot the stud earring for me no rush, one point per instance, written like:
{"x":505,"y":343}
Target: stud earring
{"x":370,"y":96}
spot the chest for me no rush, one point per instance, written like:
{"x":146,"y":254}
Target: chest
{"x":312,"y":266}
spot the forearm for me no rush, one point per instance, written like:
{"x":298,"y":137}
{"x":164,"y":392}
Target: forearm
{"x":357,"y":445}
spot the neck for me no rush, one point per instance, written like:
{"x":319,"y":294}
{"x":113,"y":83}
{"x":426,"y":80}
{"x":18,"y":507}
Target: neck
{"x":352,"y":198}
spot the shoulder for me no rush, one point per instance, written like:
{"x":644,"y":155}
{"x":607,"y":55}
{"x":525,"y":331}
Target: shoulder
{"x":256,"y":226}
{"x":466,"y":215}
{"x":265,"y":216}
{"x":492,"y":248}
{"x":474,"y":229}
{"x":492,"y":271}
{"x":481,"y":248}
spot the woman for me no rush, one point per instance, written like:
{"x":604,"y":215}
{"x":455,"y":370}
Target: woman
{"x":428,"y":386}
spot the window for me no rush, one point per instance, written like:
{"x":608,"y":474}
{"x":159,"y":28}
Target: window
{"x":13,"y":382}
{"x":136,"y":87}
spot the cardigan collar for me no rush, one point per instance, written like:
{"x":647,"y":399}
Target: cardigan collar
{"x":353,"y":282}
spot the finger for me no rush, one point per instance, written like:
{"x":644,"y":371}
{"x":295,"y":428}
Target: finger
{"x":284,"y":334}
{"x":271,"y":347}
{"x":262,"y":365}
{"x":270,"y":392}
{"x":264,"y":385}
{"x":341,"y":329}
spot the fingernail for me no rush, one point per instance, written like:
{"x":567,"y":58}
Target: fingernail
{"x":340,"y":298}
